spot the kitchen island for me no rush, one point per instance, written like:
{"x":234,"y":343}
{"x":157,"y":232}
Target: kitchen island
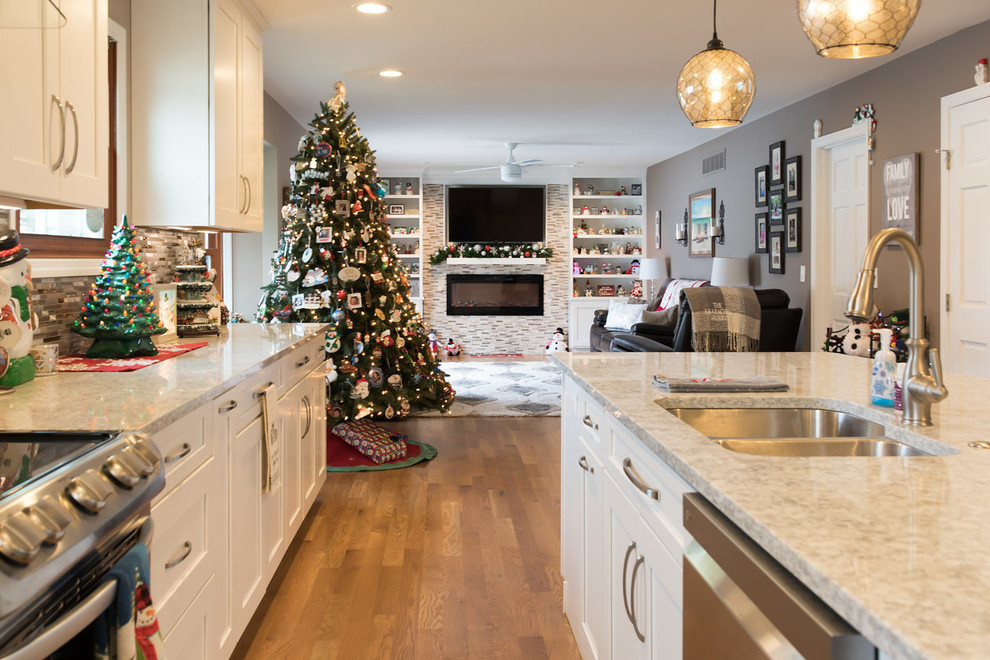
{"x":897,"y":546}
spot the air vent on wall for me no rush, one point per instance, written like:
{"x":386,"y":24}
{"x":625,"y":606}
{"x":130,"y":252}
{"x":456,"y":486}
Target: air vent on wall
{"x":713,"y":163}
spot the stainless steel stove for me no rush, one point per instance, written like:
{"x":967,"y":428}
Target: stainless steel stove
{"x":71,"y":504}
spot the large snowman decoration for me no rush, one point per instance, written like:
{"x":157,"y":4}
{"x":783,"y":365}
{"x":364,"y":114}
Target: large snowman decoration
{"x":17,"y":318}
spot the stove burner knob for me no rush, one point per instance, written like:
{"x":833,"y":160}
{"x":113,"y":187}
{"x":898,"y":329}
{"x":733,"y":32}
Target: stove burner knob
{"x":20,"y":538}
{"x":137,"y":461}
{"x":50,"y":515}
{"x":90,"y":491}
{"x":147,"y":450}
{"x":120,"y":470}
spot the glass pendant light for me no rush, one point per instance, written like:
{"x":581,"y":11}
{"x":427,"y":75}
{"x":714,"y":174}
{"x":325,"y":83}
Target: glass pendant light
{"x":853,"y":29}
{"x":716,"y":86}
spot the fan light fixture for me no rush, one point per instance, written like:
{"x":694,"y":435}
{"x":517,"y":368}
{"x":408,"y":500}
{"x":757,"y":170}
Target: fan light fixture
{"x":372,"y":7}
{"x":390,"y":73}
{"x":854,"y":29}
{"x":716,"y":86}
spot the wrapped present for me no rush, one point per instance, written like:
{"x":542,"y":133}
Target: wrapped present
{"x":376,"y":442}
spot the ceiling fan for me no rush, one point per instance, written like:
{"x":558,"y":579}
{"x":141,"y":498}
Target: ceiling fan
{"x":511,"y":169}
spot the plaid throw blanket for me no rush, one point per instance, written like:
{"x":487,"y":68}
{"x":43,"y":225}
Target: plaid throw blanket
{"x":724,"y":319}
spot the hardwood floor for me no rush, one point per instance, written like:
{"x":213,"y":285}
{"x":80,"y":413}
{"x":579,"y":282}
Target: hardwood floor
{"x":458,"y":557}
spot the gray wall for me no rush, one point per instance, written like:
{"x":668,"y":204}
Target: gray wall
{"x":905,"y":95}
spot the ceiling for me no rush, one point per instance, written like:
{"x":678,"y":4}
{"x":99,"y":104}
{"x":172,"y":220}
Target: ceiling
{"x":575,"y":81}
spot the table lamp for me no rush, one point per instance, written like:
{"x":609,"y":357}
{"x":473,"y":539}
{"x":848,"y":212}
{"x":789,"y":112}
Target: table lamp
{"x":730,"y":271}
{"x":652,"y":269}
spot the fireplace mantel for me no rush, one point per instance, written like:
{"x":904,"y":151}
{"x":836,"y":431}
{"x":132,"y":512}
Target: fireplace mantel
{"x":508,"y":261}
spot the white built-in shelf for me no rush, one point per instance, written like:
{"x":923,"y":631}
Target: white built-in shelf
{"x":508,"y":261}
{"x":412,"y":219}
{"x":612,"y":236}
{"x":605,"y":216}
{"x":604,"y":197}
{"x":606,"y":256}
{"x":600,"y":276}
{"x":409,"y":216}
{"x":393,"y":235}
{"x":414,"y":255}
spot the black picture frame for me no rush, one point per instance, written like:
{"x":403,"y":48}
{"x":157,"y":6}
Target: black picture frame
{"x":762,"y":229}
{"x":775,"y":246}
{"x":761,"y":184}
{"x":636,"y":189}
{"x":776,"y":207}
{"x":792,"y":230}
{"x":396,"y":209}
{"x":792,"y":179}
{"x":777,"y":157}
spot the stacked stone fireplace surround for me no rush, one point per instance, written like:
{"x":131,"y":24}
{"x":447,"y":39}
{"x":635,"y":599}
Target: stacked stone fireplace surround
{"x":497,"y":334}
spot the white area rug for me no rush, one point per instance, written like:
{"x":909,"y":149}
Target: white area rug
{"x":501,"y":389}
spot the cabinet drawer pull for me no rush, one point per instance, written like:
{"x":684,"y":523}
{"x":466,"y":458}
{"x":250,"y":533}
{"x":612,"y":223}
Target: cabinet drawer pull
{"x":583,"y":462}
{"x":227,"y":408}
{"x":75,"y":137}
{"x":57,"y":102}
{"x":258,"y":395}
{"x":632,"y":601}
{"x":627,"y":467}
{"x":186,"y":549}
{"x":303,"y":362}
{"x":172,"y":458}
{"x":625,"y":595}
{"x":590,"y":424}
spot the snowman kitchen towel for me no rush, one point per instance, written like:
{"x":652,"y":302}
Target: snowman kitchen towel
{"x":132,"y":617}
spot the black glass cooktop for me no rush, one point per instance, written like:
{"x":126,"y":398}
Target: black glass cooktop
{"x":25,"y":457}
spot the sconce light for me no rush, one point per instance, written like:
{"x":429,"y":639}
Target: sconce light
{"x":720,"y":227}
{"x":680,"y":230}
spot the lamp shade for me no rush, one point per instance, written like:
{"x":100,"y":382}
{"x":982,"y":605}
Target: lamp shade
{"x":730,"y":271}
{"x":653,"y":269}
{"x":854,"y":29}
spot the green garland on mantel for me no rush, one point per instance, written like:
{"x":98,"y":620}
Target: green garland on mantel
{"x":502,"y":251}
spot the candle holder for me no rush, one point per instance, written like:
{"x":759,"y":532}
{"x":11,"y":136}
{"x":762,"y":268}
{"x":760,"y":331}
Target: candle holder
{"x":720,"y":227}
{"x":680,"y":230}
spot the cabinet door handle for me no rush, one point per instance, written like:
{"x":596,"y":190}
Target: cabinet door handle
{"x":227,"y":408}
{"x":632,"y":601}
{"x":172,"y":458}
{"x":627,"y":467}
{"x":583,"y":462}
{"x":247,"y":206}
{"x":309,"y":415}
{"x":590,"y":424}
{"x":625,"y":595}
{"x":61,"y":122}
{"x":75,"y":136}
{"x":303,"y":362}
{"x":186,"y":549}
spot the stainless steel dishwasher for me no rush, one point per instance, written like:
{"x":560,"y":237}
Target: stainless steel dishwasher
{"x":740,"y":603}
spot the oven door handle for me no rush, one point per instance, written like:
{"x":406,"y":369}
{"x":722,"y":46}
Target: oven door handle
{"x":77,"y":619}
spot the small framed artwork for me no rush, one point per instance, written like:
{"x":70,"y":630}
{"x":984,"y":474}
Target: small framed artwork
{"x":700,"y":205}
{"x":354,"y":301}
{"x":792,"y":179}
{"x":775,"y":200}
{"x":761,"y":232}
{"x":776,"y":164}
{"x":323,"y":234}
{"x":656,"y":230}
{"x":396,"y":209}
{"x":792,"y":230}
{"x":605,"y":290}
{"x":342,"y":208}
{"x":636,"y":189}
{"x":776,"y":246}
{"x":760,"y":185}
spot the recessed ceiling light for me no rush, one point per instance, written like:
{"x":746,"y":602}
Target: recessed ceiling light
{"x":390,"y":73}
{"x":372,"y":7}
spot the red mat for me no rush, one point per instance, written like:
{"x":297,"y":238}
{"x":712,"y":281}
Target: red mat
{"x":165,"y":351}
{"x":341,"y":457}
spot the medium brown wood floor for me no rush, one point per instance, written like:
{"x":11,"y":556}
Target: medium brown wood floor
{"x":458,"y":557}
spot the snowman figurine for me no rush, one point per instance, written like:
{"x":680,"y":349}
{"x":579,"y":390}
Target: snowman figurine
{"x":557,"y":344}
{"x":17,"y":318}
{"x":434,"y":344}
{"x":451,"y":348}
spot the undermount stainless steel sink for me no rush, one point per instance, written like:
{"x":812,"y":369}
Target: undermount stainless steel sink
{"x":793,"y":432}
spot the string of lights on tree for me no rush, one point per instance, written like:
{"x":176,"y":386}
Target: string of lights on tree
{"x":500,"y":251}
{"x":336,"y":264}
{"x":120,"y":311}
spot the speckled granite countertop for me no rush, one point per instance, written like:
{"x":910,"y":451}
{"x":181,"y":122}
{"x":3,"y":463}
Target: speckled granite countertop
{"x":900,"y":547}
{"x":151,"y":398}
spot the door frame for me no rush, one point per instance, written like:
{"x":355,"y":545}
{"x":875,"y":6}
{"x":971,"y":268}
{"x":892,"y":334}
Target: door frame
{"x":947,"y":103}
{"x":821,"y":247}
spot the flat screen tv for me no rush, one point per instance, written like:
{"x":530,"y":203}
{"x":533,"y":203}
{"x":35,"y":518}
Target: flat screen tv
{"x":496,"y":214}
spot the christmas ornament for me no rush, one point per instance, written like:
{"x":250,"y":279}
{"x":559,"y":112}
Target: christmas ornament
{"x":341,"y":294}
{"x":348,"y":368}
{"x":331,"y":371}
{"x":360,"y":390}
{"x":349,"y":274}
{"x":292,"y":275}
{"x":307,"y":255}
{"x":314,"y":277}
{"x":337,"y":315}
{"x":389,"y":412}
{"x":333,"y":342}
{"x":358,"y":346}
{"x":395,"y":381}
{"x":404,"y":406}
{"x":386,"y":338}
{"x":323,"y":149}
{"x":375,"y":377}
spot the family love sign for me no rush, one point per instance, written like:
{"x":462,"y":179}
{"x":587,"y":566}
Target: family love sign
{"x":900,"y":193}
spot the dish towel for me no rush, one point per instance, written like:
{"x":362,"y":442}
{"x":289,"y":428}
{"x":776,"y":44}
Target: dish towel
{"x":132,"y":618}
{"x":752,"y":384}
{"x":724,"y":318}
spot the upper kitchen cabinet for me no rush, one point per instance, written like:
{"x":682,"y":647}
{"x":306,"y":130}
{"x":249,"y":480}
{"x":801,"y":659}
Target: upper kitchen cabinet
{"x":197,"y":99}
{"x":54,"y":121}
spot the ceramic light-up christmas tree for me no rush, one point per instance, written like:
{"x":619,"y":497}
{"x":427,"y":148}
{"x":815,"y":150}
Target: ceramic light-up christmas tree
{"x":336,"y":264}
{"x":120,"y":311}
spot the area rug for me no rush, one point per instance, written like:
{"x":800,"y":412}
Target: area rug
{"x":165,"y":351}
{"x":501,"y":389}
{"x":341,"y":457}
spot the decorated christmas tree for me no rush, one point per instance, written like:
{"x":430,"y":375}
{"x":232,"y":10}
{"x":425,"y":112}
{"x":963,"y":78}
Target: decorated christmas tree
{"x":120,"y":312}
{"x":336,"y":264}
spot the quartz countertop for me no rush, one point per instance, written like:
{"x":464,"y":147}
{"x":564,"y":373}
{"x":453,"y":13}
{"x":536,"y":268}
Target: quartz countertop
{"x":152,"y":397}
{"x":898,"y":546}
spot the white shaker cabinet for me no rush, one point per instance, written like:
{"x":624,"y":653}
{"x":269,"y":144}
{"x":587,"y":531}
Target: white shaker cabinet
{"x":197,"y":114}
{"x":54,"y":121}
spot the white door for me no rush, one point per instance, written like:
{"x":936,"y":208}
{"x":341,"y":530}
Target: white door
{"x":965,"y":273}
{"x":840,"y":222}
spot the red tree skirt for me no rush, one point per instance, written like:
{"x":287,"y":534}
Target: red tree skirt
{"x":165,"y":351}
{"x":341,"y":457}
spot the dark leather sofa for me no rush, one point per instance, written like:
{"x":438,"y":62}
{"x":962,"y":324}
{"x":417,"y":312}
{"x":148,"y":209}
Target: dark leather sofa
{"x":780,"y":326}
{"x":602,"y":335}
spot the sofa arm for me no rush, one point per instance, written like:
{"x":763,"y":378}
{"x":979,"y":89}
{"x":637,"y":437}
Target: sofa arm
{"x":661,"y":333}
{"x":600,"y":317}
